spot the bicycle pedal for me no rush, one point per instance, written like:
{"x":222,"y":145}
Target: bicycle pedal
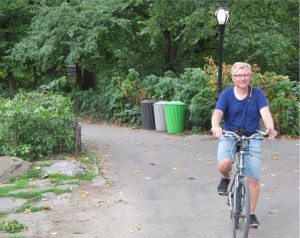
{"x":223,"y":194}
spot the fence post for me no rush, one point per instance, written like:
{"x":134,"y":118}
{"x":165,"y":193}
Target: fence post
{"x":77,"y":139}
{"x":16,"y":130}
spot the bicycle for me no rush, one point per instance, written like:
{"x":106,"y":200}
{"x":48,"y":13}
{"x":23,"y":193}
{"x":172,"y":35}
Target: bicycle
{"x":239,"y":193}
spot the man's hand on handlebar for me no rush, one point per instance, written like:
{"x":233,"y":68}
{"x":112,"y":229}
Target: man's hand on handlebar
{"x":217,"y":131}
{"x":272,"y":133}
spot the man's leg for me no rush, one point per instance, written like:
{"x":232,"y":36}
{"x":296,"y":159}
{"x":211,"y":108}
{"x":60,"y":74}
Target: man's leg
{"x":225,"y":152}
{"x":254,"y":187}
{"x":224,"y":167}
{"x":252,"y":170}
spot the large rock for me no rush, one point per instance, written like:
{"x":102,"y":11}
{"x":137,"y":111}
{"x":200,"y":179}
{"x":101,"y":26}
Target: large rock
{"x":65,"y":167}
{"x":11,"y":204}
{"x":12,"y":166}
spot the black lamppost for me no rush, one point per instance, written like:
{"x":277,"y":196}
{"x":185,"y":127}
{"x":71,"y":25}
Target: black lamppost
{"x":222,"y":15}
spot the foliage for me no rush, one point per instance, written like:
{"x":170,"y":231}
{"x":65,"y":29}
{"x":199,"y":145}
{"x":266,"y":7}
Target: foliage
{"x":35,"y":125}
{"x":90,"y":104}
{"x":117,"y":101}
{"x":255,"y":34}
{"x":15,"y":18}
{"x":71,"y":33}
{"x":192,"y":82}
{"x":151,"y":36}
{"x":283,"y":95}
{"x":199,"y":97}
{"x":11,"y":226}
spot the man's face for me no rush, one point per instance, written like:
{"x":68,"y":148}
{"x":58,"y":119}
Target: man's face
{"x":241,"y":78}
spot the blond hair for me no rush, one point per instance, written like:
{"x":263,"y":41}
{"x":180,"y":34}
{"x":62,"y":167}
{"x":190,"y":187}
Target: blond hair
{"x":241,"y":65}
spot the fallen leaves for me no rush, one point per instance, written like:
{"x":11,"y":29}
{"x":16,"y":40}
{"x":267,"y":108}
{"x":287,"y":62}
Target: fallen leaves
{"x":177,"y":170}
{"x":273,"y":211}
{"x":136,"y":171}
{"x":27,"y":211}
{"x":135,"y":229}
{"x":84,"y":194}
{"x":274,"y":157}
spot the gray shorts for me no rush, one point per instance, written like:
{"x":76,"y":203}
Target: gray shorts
{"x":252,"y":165}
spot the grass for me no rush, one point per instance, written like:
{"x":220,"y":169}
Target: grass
{"x":18,"y":185}
{"x":16,"y":236}
{"x":11,"y":226}
{"x":28,"y":207}
{"x":34,"y":196}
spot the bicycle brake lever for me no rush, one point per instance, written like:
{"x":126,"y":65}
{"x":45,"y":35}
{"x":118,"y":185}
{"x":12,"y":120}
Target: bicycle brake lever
{"x":263,"y":133}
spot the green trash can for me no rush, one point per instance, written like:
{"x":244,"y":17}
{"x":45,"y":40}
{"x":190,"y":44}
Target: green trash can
{"x":175,"y":113}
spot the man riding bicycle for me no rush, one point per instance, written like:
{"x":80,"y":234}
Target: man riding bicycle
{"x":241,"y":107}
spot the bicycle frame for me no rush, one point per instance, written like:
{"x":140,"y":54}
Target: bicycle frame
{"x":239,"y":160}
{"x":239,"y":194}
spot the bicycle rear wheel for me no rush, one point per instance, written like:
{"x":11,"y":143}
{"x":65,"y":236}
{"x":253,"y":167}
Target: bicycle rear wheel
{"x":241,"y":210}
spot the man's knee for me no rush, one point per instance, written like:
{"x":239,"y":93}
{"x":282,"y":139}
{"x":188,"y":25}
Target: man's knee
{"x":225,"y":164}
{"x":253,"y":182}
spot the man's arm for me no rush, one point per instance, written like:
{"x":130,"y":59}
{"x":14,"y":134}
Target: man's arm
{"x":215,"y":123}
{"x":268,"y":121}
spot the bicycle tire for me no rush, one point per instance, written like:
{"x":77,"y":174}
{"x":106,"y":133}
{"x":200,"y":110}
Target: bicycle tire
{"x":241,"y":210}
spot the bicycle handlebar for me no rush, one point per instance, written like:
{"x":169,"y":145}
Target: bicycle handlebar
{"x":259,"y":135}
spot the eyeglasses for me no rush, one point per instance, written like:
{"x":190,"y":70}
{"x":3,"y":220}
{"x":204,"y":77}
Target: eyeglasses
{"x":242,"y":76}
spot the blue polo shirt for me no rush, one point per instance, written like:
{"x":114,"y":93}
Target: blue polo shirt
{"x":234,"y":110}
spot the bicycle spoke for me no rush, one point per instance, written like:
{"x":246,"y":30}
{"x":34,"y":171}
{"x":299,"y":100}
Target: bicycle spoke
{"x":241,"y":218}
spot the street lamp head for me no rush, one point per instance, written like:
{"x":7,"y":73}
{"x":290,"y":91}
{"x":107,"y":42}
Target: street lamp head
{"x":222,"y":15}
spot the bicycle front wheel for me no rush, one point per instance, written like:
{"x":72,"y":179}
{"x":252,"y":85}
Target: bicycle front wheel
{"x":241,"y":210}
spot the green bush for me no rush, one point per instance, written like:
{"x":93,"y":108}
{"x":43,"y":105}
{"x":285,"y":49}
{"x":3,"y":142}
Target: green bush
{"x":283,"y":96}
{"x":34,"y":125}
{"x":90,"y":104}
{"x":201,"y":109}
{"x":117,"y":100}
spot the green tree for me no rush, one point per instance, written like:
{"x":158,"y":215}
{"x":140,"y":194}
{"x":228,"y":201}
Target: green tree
{"x":265,"y":33}
{"x":155,"y":36}
{"x":182,"y":31}
{"x":72,"y":32}
{"x":15,"y":18}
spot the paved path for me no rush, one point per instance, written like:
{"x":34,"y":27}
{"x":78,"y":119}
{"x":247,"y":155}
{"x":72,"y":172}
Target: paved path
{"x":165,"y":186}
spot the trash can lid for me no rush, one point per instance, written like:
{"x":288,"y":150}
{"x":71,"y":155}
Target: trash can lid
{"x":161,"y":102}
{"x":148,"y":101}
{"x":176,"y":103}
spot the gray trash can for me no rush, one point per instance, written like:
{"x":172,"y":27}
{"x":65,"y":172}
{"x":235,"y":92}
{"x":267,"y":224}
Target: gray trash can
{"x":147,"y":112}
{"x":160,"y":116}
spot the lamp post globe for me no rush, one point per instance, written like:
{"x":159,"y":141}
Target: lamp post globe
{"x":222,"y":16}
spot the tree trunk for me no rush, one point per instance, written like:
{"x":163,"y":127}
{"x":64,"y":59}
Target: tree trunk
{"x":85,"y":79}
{"x":11,"y":84}
{"x":79,"y":76}
{"x":170,"y":51}
{"x":168,"y":45}
{"x":89,"y":80}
